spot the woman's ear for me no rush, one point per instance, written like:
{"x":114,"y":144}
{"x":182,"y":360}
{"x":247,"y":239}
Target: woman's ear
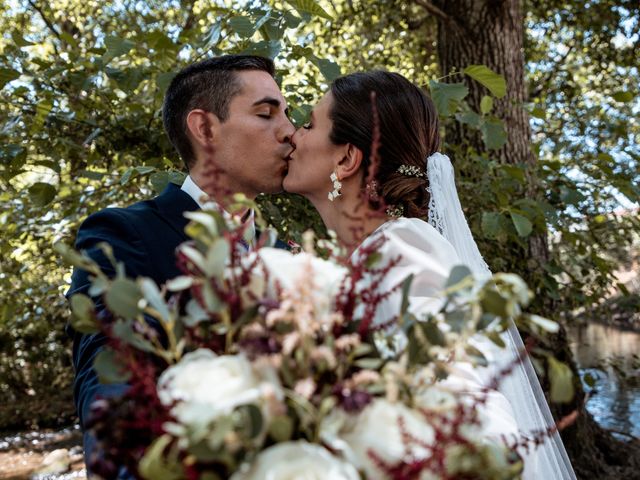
{"x":350,"y":163}
{"x":202,"y":127}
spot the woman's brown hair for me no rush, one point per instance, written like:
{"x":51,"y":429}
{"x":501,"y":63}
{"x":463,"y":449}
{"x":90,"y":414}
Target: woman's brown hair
{"x":408,"y":132}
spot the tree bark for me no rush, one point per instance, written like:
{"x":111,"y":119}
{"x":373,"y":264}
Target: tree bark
{"x":491,"y":33}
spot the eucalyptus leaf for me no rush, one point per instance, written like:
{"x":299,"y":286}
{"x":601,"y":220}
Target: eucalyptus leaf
{"x":457,"y":275}
{"x":433,"y":333}
{"x":369,"y":363}
{"x":217,"y":257}
{"x":155,"y":466}
{"x":154,"y":297}
{"x":124,"y":331}
{"x":544,"y":323}
{"x":281,"y":428}
{"x":406,"y":286}
{"x":194,"y":313}
{"x":252,"y":419}
{"x":493,"y":302}
{"x":109,"y":369}
{"x":122,"y":298}
{"x":83,"y":318}
{"x":181,"y":282}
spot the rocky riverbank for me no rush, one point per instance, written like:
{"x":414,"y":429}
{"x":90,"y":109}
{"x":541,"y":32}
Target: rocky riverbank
{"x":42,"y":455}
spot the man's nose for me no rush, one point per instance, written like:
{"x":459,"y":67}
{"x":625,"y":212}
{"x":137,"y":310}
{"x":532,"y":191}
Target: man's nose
{"x":286,"y":131}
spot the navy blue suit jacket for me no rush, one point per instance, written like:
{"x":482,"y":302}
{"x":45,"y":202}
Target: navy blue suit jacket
{"x":144,"y":237}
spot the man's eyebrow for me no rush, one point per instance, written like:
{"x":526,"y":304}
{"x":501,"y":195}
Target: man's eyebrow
{"x":268,"y":100}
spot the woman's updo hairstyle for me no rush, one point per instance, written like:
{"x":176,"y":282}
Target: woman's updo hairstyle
{"x":408,"y":126}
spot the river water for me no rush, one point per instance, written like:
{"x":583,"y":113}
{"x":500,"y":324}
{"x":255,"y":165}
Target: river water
{"x":611,"y":356}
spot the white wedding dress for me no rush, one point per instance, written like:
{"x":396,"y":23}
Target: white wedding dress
{"x":426,"y":254}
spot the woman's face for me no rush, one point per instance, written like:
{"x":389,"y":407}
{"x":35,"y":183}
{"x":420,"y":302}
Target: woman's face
{"x":315,"y":157}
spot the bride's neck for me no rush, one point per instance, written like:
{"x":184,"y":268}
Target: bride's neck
{"x":352,"y":219}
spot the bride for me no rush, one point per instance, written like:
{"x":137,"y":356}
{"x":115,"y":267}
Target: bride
{"x":332,"y":165}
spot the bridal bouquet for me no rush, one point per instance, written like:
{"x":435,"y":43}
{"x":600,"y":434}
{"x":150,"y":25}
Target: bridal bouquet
{"x":264,"y":364}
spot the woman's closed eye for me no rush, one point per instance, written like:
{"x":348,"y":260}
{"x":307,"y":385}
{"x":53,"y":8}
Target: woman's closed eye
{"x":264,"y":115}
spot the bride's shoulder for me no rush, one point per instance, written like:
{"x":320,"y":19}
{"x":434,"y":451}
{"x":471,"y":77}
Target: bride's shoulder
{"x":415,"y":233}
{"x":413,"y":230}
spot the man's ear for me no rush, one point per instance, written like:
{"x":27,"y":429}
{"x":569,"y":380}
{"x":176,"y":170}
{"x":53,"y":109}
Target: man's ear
{"x":202,"y":127}
{"x":350,"y":163}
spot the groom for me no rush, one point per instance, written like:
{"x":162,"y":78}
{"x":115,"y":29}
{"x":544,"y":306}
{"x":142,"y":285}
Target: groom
{"x":228,"y":120}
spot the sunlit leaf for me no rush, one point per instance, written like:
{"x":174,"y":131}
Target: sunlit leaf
{"x":309,"y":6}
{"x":495,"y":82}
{"x":486,"y":104}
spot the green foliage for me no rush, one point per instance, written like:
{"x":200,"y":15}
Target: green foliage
{"x":80,"y":129}
{"x":82,"y":83}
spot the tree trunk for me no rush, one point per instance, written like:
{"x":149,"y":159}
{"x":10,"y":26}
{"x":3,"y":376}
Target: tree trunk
{"x":490,"y":32}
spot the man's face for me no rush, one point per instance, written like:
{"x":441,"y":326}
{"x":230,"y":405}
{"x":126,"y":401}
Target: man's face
{"x":252,"y":145}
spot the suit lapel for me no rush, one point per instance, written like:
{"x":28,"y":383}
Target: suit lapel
{"x":172,"y":203}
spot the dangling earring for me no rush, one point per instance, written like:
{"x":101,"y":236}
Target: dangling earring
{"x":337,"y":185}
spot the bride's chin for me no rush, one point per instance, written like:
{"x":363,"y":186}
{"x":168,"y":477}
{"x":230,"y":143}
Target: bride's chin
{"x":288,"y":185}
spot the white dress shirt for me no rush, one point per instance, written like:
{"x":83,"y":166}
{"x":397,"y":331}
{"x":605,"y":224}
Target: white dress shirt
{"x":205,"y":201}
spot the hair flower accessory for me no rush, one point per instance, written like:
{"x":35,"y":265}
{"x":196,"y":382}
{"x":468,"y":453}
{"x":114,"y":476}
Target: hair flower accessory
{"x":411,"y":171}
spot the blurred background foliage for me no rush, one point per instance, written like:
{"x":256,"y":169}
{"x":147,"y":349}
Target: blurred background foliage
{"x":81,"y":88}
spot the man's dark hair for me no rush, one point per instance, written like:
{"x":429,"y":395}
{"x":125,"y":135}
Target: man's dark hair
{"x":208,"y":85}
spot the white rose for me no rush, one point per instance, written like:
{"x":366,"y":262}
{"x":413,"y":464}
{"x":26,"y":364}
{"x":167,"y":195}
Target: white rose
{"x":297,"y":461}
{"x":377,"y":430}
{"x":291,"y":270}
{"x":205,"y":386}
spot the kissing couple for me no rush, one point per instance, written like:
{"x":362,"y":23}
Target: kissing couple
{"x":373,"y":132}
